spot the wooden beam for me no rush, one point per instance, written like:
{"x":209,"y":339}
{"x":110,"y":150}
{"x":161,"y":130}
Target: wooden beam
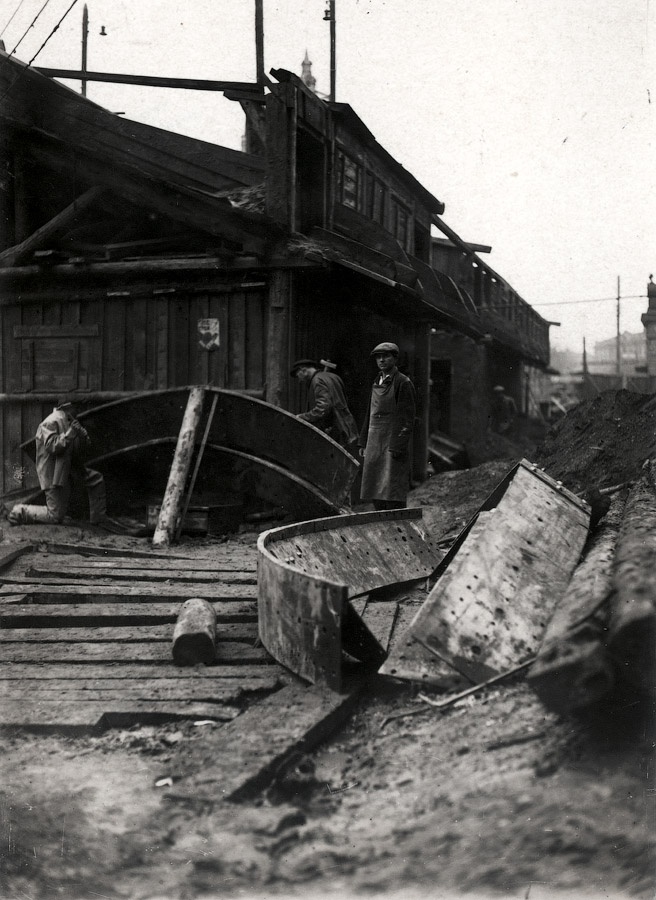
{"x":171,"y":509}
{"x":277,"y":348}
{"x":189,"y":84}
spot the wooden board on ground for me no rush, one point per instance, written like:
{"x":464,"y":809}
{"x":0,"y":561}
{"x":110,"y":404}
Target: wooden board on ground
{"x":19,"y":614}
{"x":56,"y":590}
{"x":99,"y":715}
{"x":86,"y":649}
{"x":64,"y":563}
{"x":85,"y":672}
{"x":90,"y":574}
{"x":228,"y":553}
{"x":9,"y":554}
{"x":248,"y":753}
{"x":227,"y":652}
{"x":488,"y":610}
{"x":245,"y":632}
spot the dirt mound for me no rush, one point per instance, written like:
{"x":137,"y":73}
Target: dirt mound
{"x":450,"y":499}
{"x":601,"y":442}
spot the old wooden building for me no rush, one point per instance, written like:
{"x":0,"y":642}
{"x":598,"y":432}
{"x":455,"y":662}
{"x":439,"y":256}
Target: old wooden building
{"x":133,"y":259}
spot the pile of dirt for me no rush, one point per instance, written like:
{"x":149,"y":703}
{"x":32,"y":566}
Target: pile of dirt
{"x":450,"y":499}
{"x":601,"y":442}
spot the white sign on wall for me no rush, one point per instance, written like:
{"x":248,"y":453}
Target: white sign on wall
{"x":208,"y":330}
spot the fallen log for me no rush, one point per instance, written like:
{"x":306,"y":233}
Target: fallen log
{"x":632,"y":626}
{"x":572,"y":669}
{"x":194,"y":635}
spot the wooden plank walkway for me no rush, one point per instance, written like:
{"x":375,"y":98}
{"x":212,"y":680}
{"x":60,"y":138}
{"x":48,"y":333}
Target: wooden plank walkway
{"x":85,"y":638}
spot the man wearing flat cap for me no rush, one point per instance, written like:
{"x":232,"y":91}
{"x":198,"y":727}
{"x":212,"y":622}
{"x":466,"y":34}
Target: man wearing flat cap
{"x":326,"y":406}
{"x":60,"y":439}
{"x":385,"y":436}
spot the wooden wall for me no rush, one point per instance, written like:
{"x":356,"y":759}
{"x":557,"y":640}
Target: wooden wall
{"x":119,"y":344}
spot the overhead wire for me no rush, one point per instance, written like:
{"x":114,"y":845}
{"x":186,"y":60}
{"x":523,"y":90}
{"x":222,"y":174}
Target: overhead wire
{"x":55,"y":29}
{"x":11,"y":19}
{"x":31,"y":25}
{"x":592,"y":300}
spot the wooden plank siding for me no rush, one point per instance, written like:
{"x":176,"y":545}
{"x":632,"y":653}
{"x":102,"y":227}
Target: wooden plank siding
{"x":119,"y":343}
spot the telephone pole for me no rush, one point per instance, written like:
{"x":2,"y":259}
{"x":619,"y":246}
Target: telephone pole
{"x":618,"y":351}
{"x":329,"y":16}
{"x":85,"y":39}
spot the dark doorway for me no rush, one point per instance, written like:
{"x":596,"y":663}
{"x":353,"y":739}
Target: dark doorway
{"x":439,"y":416}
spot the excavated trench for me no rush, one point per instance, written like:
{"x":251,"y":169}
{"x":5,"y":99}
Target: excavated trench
{"x":496,"y":797}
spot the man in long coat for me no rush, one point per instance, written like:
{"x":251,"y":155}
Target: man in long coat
{"x":326,"y":406}
{"x":59,"y":441}
{"x":385,"y":436}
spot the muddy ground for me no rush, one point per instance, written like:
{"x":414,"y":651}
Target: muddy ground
{"x":497,"y":797}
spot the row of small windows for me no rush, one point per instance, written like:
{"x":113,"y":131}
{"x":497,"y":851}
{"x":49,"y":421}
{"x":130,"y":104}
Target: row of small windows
{"x":373,"y":199}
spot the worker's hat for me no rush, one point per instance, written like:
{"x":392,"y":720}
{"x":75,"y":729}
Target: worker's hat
{"x":302,"y":363}
{"x":385,"y":347}
{"x":499,"y":387}
{"x":63,"y":403}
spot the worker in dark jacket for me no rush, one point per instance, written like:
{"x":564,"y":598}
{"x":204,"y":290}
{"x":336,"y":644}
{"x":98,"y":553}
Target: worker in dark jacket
{"x":385,"y":436}
{"x":326,"y":406}
{"x":504,"y":411}
{"x":59,"y":442}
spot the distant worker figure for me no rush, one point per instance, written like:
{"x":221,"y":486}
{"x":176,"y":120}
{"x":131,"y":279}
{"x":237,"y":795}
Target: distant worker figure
{"x":59,"y":440}
{"x":326,"y":406}
{"x":504,"y":411}
{"x":386,"y":433}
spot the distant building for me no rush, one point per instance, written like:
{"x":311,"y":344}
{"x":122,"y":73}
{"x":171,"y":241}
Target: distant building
{"x":633,"y":355}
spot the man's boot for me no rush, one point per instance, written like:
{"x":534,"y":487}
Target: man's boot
{"x":22,"y":514}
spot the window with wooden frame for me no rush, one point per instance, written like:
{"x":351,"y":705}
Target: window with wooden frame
{"x":401,"y":223}
{"x":376,"y":198}
{"x":348,"y":180}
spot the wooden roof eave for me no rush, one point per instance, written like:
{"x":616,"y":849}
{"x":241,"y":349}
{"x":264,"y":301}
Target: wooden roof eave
{"x":35,"y":102}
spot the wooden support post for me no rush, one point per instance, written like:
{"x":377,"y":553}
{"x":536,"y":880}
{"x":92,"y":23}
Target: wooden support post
{"x":572,"y":669}
{"x":6,"y":195}
{"x":277,"y":348}
{"x":172,"y":503}
{"x":422,"y":385}
{"x":632,"y":626}
{"x":199,"y":459}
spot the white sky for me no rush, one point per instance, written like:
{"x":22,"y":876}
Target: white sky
{"x":533,"y":120}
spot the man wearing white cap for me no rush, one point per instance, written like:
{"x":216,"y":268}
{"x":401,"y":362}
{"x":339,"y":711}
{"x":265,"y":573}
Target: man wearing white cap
{"x":385,"y":436}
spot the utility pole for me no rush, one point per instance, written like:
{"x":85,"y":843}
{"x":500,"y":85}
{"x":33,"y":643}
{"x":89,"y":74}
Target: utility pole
{"x":329,"y":16}
{"x":618,"y":352}
{"x":85,"y":38}
{"x":259,"y":41}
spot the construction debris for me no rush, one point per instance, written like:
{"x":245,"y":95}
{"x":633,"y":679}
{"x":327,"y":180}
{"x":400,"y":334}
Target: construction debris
{"x":632,"y":625}
{"x":572,"y":669}
{"x":500,"y":580}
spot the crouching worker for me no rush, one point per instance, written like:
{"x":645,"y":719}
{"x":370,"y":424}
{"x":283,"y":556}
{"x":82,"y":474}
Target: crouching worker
{"x":59,"y":440}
